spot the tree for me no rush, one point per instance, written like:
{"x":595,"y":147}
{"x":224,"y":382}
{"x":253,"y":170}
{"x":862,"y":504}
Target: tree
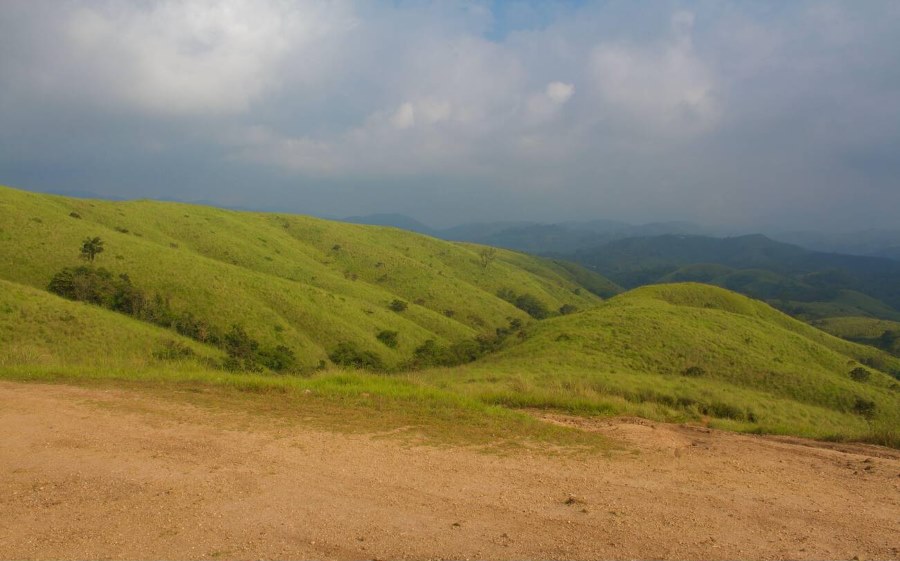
{"x":486,"y":256}
{"x":398,"y":306}
{"x":90,"y":248}
{"x":860,"y":374}
{"x":530,"y":304}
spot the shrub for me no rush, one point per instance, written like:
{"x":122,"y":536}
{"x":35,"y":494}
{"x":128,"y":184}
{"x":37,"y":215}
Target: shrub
{"x":241,"y":349}
{"x":430,"y":353}
{"x":528,"y":303}
{"x":724,"y":411}
{"x":860,"y":374}
{"x":389,"y":338}
{"x":398,"y":306}
{"x":349,"y":354}
{"x":98,"y":286}
{"x":278,"y":359}
{"x":864,"y":408}
{"x":506,"y":294}
{"x":567,"y":309}
{"x":693,"y":371}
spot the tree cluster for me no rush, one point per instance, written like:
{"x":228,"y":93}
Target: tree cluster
{"x":526,"y":302}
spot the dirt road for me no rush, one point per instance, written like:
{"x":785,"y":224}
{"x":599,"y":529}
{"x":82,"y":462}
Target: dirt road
{"x":93,"y":473}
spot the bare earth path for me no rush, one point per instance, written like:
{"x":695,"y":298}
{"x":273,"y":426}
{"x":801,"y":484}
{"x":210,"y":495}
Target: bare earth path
{"x":93,"y":473}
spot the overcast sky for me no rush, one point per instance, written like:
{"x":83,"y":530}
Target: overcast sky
{"x":757,"y":114}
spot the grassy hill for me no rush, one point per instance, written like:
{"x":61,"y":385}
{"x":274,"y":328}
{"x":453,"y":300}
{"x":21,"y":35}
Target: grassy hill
{"x":684,"y":352}
{"x":879,"y":333}
{"x":302,"y":282}
{"x":687,"y":351}
{"x":43,"y":330}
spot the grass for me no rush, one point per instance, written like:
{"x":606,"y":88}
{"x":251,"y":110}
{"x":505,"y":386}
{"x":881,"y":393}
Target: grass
{"x":761,"y":371}
{"x":41,"y":329}
{"x":866,"y":330}
{"x":299,"y":281}
{"x":348,"y":401}
{"x":677,"y":352}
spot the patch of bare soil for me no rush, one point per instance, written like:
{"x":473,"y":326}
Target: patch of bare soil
{"x":92,"y":473}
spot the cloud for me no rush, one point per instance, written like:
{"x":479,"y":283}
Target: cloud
{"x":559,"y":92}
{"x":191,"y":56}
{"x":729,"y":109}
{"x":404,"y":117}
{"x":666,"y":87}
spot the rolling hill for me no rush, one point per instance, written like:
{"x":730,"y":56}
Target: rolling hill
{"x":682,"y":352}
{"x":306,"y":283}
{"x":687,"y":350}
{"x":43,"y":330}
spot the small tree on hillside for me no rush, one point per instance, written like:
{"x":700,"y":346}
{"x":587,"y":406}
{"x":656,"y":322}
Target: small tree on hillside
{"x":486,"y":256}
{"x":90,"y":248}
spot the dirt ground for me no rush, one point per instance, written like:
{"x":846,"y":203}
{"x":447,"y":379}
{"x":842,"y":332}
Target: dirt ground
{"x":96,"y":473}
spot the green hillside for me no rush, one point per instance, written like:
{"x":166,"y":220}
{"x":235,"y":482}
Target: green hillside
{"x":879,"y":333}
{"x":302,"y":282}
{"x":522,"y":332}
{"x":686,"y":351}
{"x":43,"y":330}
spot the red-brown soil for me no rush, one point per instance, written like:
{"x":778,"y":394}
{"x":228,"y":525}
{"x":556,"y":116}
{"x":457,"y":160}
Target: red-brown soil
{"x":94,"y":473}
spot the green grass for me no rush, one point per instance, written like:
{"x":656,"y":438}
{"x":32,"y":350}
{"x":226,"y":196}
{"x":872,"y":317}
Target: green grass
{"x":761,"y":370}
{"x":302,"y":282}
{"x":855,"y":327}
{"x":347,"y":401}
{"x":41,"y":329}
{"x":674,"y":352}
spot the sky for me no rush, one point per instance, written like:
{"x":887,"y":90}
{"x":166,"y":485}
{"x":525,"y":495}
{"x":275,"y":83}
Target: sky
{"x":747,"y":114}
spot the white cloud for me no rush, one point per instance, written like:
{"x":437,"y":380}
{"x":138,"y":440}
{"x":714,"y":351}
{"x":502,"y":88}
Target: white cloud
{"x":404,"y":117}
{"x":543,"y":107}
{"x":664,"y":87}
{"x":559,"y":92}
{"x":192,"y":56}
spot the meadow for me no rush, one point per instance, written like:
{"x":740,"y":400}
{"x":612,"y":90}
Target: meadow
{"x":684,"y":352}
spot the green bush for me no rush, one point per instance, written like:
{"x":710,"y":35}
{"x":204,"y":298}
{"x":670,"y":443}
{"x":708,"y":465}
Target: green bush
{"x":389,"y":338}
{"x":860,"y":374}
{"x":864,"y":408}
{"x":693,"y":371}
{"x":398,"y":306}
{"x":567,"y":309}
{"x":98,"y":286}
{"x":242,"y":350}
{"x":278,"y":359}
{"x":528,"y":303}
{"x":349,"y":354}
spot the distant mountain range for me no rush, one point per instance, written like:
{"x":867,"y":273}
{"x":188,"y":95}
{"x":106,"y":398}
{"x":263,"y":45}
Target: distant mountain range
{"x":572,"y":236}
{"x":535,"y":237}
{"x":807,"y":284}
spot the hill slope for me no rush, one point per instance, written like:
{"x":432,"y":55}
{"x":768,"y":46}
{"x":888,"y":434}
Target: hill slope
{"x":306,"y":283}
{"x":690,"y":349}
{"x":43,"y":330}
